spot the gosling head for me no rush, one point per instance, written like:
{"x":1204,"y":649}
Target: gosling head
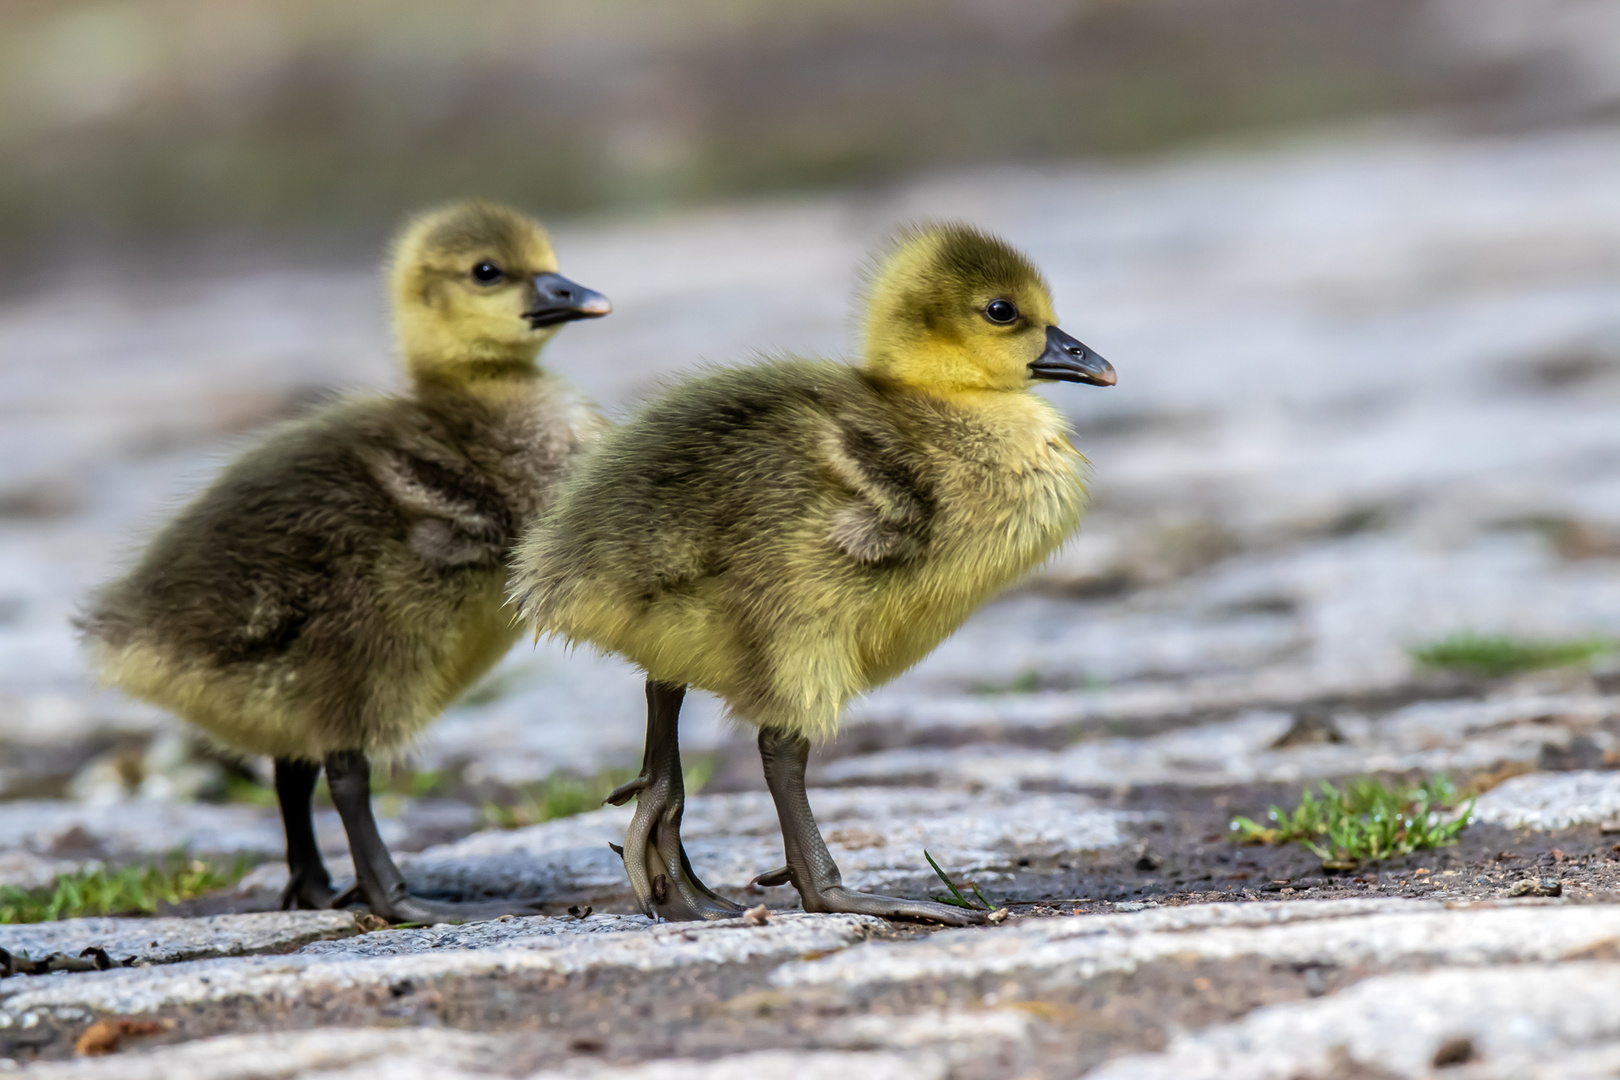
{"x":476,"y":292}
{"x":951,"y":309}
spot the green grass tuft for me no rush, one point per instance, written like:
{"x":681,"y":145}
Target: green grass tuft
{"x":126,"y":891}
{"x":1364,"y":822}
{"x":1497,"y":654}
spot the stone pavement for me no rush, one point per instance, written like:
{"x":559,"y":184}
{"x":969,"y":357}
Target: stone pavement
{"x":1230,"y":989}
{"x":1370,"y":396}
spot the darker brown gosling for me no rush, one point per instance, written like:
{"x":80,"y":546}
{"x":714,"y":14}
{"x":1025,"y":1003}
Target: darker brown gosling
{"x":343,"y":581}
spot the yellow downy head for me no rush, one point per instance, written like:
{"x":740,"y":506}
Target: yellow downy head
{"x":952,"y":310}
{"x":476,"y":293}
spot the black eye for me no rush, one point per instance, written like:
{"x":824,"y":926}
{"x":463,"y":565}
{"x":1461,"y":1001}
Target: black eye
{"x":1001,"y":312}
{"x":486,"y":272}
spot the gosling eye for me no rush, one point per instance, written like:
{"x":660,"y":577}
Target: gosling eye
{"x":487,"y":273}
{"x":1001,"y":312}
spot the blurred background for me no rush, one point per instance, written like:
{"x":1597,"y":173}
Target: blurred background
{"x":277,"y":128}
{"x":1357,"y":262}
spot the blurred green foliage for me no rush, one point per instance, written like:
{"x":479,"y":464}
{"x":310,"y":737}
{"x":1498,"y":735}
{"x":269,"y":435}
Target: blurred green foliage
{"x":1027,"y":682}
{"x":505,"y":806}
{"x":563,"y":795}
{"x":1495,"y":655}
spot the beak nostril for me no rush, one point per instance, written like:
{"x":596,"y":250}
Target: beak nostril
{"x":556,"y":300}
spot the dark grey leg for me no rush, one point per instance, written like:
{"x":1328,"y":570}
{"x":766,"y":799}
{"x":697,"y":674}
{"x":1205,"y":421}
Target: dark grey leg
{"x":810,"y":866}
{"x":308,"y":883}
{"x":660,"y":874}
{"x":377,"y":880}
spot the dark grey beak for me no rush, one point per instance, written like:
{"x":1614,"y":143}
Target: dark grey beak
{"x":557,"y":300}
{"x":1067,"y":360}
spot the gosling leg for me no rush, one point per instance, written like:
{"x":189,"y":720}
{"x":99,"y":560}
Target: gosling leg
{"x":377,"y":879}
{"x":660,"y":874}
{"x":809,"y":865}
{"x":308,"y":883}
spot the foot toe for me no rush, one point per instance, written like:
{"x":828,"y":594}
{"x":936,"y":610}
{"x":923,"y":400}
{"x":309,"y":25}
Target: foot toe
{"x":848,"y":901}
{"x":414,"y":909}
{"x":780,"y":876}
{"x":637,"y":840}
{"x":624,"y":792}
{"x":682,"y":896}
{"x":306,"y":896}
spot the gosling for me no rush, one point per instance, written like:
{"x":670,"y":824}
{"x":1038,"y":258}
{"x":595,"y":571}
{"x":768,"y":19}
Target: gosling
{"x":343,"y":581}
{"x":792,"y":533}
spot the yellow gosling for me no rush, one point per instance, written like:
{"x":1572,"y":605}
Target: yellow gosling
{"x":793,"y":533}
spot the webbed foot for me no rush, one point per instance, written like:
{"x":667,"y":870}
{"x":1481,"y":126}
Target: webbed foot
{"x":413,"y":909}
{"x":836,"y":898}
{"x":810,"y":868}
{"x":401,"y":907}
{"x":660,"y":873}
{"x":305,"y":894}
{"x":848,"y":901}
{"x":378,"y":882}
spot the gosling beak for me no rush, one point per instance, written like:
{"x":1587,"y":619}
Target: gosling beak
{"x":1066,"y":360}
{"x":557,"y":300}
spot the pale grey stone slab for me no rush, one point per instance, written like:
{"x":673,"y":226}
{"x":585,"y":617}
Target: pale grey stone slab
{"x":941,"y":1028}
{"x":1179,"y":917}
{"x":294,"y":977}
{"x":496,"y":934}
{"x":878,"y":836}
{"x":1526,"y":1021}
{"x":1434,"y":736}
{"x":1552,"y":800}
{"x":166,"y":941}
{"x":904,"y":705}
{"x":360,"y":1054}
{"x":26,"y":870}
{"x":773,"y":1064}
{"x":146,"y":828}
{"x":395,"y":1053}
{"x":1071,"y":950}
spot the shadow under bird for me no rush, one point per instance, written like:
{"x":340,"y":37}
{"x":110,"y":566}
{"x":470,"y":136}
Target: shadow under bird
{"x":794,"y":532}
{"x":343,"y":581}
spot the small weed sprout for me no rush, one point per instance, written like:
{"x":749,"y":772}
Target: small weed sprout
{"x":1495,"y":655}
{"x":130,"y":890}
{"x":1364,"y":822}
{"x":956,"y":897}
